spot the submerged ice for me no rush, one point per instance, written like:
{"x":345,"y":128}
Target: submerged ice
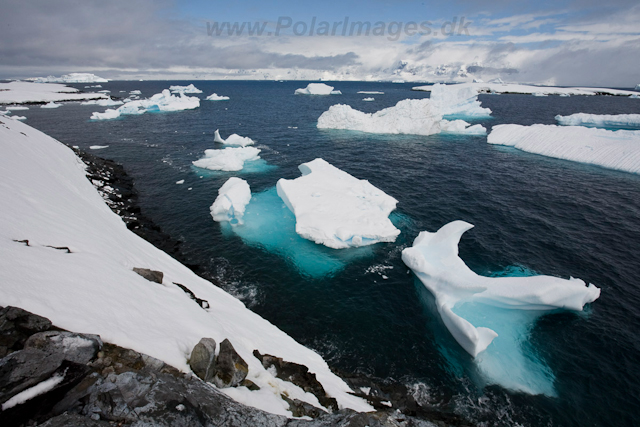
{"x":488,"y":316}
{"x":337,"y":210}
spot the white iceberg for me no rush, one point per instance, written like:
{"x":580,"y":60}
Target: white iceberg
{"x":16,"y":107}
{"x":371,"y":92}
{"x":618,"y":150}
{"x":410,"y":116}
{"x":233,"y":198}
{"x":135,"y":92}
{"x":317,"y":89}
{"x":50,"y":105}
{"x":638,"y":86}
{"x":164,"y":101}
{"x":185,"y":89}
{"x":631,"y":121}
{"x":368,"y":99}
{"x":539,"y":94}
{"x":18,"y":117}
{"x":233,"y":139}
{"x":335,"y":209}
{"x":472,"y":307}
{"x":216,"y":97}
{"x":72,"y":78}
{"x":228,"y":159}
{"x":102,"y":102}
{"x":500,"y":87}
{"x":457,"y":100}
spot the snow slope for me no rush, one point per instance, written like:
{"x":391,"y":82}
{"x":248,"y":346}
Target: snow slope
{"x":618,"y":150}
{"x":337,"y":210}
{"x":48,"y":201}
{"x":25,"y":92}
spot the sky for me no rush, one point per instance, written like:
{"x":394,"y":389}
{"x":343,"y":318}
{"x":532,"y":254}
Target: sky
{"x":565,"y":42}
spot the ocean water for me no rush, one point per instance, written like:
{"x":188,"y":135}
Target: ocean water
{"x":363,"y":310}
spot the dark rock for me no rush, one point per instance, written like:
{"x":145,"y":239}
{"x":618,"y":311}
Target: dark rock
{"x":150,"y":275}
{"x":78,"y":348}
{"x":201,"y":302}
{"x":302,"y":409}
{"x":202,"y":360}
{"x":73,"y":420}
{"x":16,"y":325}
{"x":231,"y":369}
{"x":25,"y":368}
{"x":250,"y":385}
{"x":298,"y":375}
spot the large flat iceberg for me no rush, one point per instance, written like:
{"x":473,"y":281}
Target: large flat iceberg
{"x":618,"y":150}
{"x":473,"y":307}
{"x":317,"y":89}
{"x":626,"y":121}
{"x":227,"y":159}
{"x":335,"y":209}
{"x":458,"y":100}
{"x":498,"y":86}
{"x":164,"y":101}
{"x":233,"y":198}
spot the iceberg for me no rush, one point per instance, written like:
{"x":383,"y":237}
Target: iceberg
{"x":619,"y":150}
{"x":370,"y":92}
{"x":135,"y":92}
{"x":233,"y":198}
{"x":71,"y":78}
{"x":50,"y":105}
{"x":16,"y":107}
{"x":638,"y":86}
{"x":164,"y":101}
{"x":233,"y":139}
{"x":458,"y":101}
{"x":102,"y":102}
{"x":488,"y":316}
{"x":227,"y":159}
{"x":335,"y":209}
{"x":368,"y":99}
{"x":216,"y":97}
{"x":184,"y":89}
{"x":627,"y":121}
{"x":317,"y":89}
{"x":494,"y":87}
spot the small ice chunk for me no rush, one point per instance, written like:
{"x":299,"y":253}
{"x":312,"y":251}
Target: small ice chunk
{"x":216,"y":97}
{"x":228,"y":159}
{"x":110,"y":113}
{"x":233,"y":139}
{"x":135,"y":92}
{"x":180,"y":182}
{"x":370,"y":92}
{"x":98,"y":147}
{"x":337,"y":210}
{"x":102,"y":102}
{"x":233,"y":197}
{"x":368,"y":99}
{"x":16,"y":107}
{"x":317,"y":89}
{"x":50,"y":105}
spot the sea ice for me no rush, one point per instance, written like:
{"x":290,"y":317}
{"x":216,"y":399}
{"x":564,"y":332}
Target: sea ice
{"x":16,"y":107}
{"x":50,"y":105}
{"x":185,"y":89}
{"x":216,"y":97}
{"x":107,"y":115}
{"x":337,"y":210}
{"x":626,"y":121}
{"x":317,"y":89}
{"x":233,"y":139}
{"x":233,"y":198}
{"x":368,"y":99}
{"x":458,"y":101}
{"x":488,"y":316}
{"x":370,"y":92}
{"x":164,"y":101}
{"x":618,"y":150}
{"x":102,"y":102}
{"x":227,"y":159}
{"x":135,"y":92}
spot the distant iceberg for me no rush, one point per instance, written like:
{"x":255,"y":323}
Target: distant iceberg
{"x":368,"y":99}
{"x":135,"y":92}
{"x":618,"y":150}
{"x":102,"y":102}
{"x":628,"y":121}
{"x":50,"y":105}
{"x":335,"y":209}
{"x":497,"y":86}
{"x":216,"y":97}
{"x":638,"y":86}
{"x":317,"y":89}
{"x":71,"y":78}
{"x":233,"y":139}
{"x":370,"y":92}
{"x":185,"y":89}
{"x":233,"y":198}
{"x":472,"y":307}
{"x":159,"y":102}
{"x":227,"y":159}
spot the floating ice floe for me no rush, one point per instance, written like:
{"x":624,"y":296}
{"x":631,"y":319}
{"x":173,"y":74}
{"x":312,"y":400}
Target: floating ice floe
{"x":498,"y":86}
{"x":335,"y":209}
{"x":317,"y":89}
{"x":370,"y":92}
{"x":18,"y":117}
{"x":50,"y":105}
{"x":368,"y":99}
{"x":233,"y":198}
{"x":227,"y":159}
{"x":164,"y":101}
{"x":629,"y":121}
{"x":180,"y":182}
{"x":216,"y":97}
{"x":185,"y":89}
{"x":488,"y":316}
{"x":16,"y":107}
{"x":102,"y":102}
{"x":135,"y":92}
{"x":98,"y":147}
{"x":618,"y":150}
{"x":233,"y":139}
{"x":457,"y":100}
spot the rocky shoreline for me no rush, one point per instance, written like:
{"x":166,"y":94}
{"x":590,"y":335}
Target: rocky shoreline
{"x":394,"y":402}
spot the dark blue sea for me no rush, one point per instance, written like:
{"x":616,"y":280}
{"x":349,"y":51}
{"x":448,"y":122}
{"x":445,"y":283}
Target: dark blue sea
{"x":363,"y":310}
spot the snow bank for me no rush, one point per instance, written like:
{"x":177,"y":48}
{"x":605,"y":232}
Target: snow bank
{"x":27,"y":92}
{"x":629,"y":121}
{"x":164,"y":101}
{"x":233,"y":139}
{"x":50,"y":105}
{"x":337,"y":210}
{"x":472,"y":307}
{"x":317,"y":89}
{"x":500,"y":87}
{"x":48,"y":200}
{"x":227,"y":159}
{"x":71,"y":78}
{"x":216,"y":97}
{"x":410,"y":116}
{"x":618,"y":150}
{"x":233,"y":198}
{"x":185,"y":89}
